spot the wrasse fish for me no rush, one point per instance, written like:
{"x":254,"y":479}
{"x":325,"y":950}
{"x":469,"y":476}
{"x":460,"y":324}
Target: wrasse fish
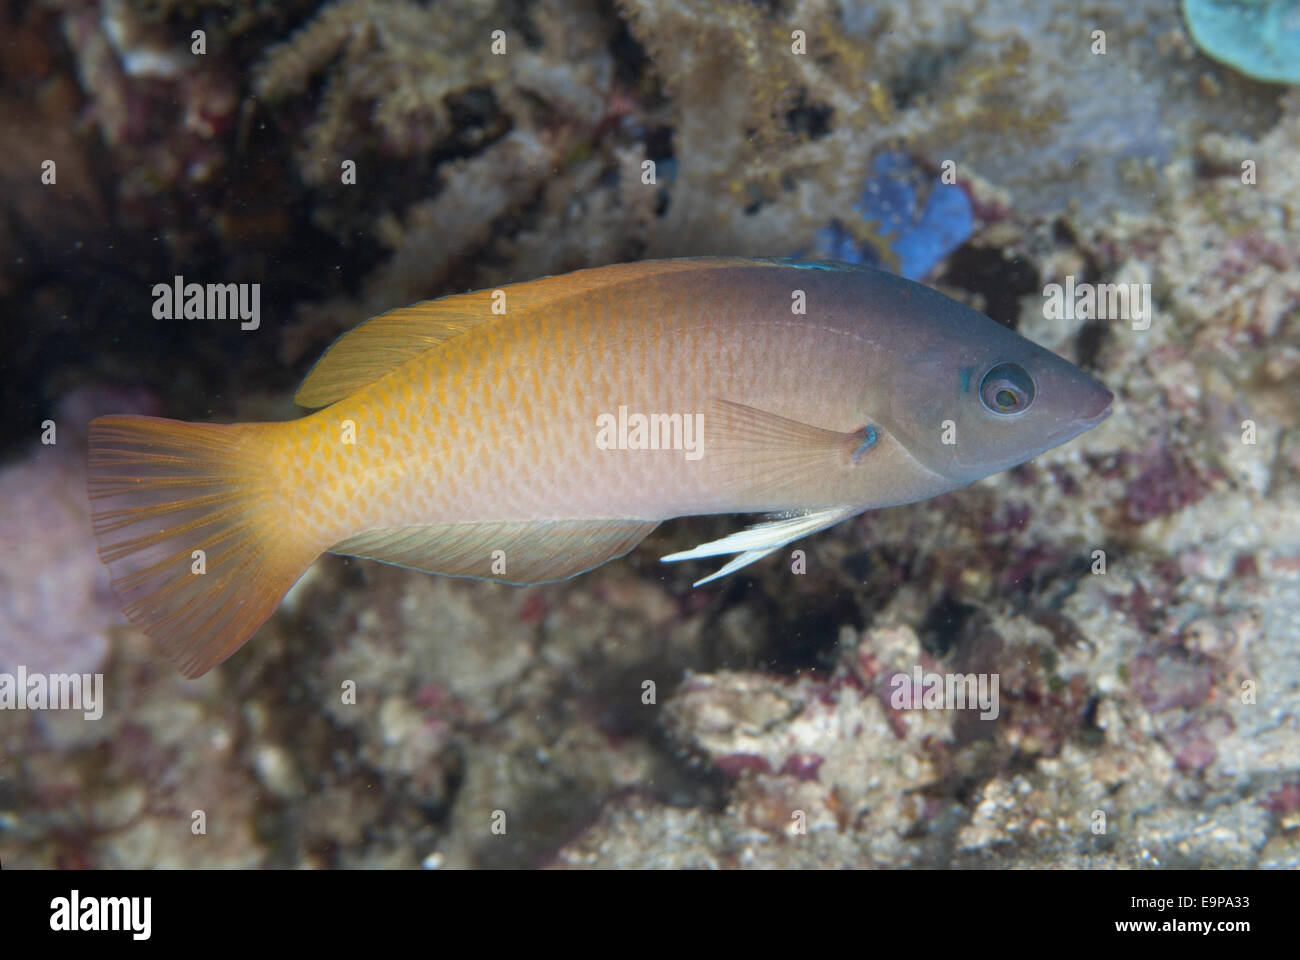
{"x":531,"y":433}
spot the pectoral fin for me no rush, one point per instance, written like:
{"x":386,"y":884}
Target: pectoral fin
{"x":756,"y":542}
{"x":755,"y":450}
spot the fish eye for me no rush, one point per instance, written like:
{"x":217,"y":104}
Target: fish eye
{"x":1007,"y":389}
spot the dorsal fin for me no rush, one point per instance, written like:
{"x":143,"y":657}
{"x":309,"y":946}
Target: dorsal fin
{"x":381,"y":344}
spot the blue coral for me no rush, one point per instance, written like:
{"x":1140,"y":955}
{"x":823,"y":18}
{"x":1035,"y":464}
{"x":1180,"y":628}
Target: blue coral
{"x":919,"y":238}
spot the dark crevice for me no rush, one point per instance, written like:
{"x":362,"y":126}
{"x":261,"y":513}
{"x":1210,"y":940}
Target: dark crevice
{"x":1002,"y":282}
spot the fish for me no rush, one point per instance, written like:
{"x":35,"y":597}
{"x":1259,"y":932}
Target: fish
{"x":530,"y":433}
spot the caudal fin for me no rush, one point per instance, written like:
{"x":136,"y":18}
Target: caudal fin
{"x":187,"y":522}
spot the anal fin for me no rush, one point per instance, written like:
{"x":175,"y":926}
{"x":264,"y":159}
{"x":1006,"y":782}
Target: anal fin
{"x":532,"y":551}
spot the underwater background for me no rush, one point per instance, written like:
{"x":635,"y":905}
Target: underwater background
{"x":1137,"y":591}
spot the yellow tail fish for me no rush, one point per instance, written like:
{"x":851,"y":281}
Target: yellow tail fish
{"x":530,"y":433}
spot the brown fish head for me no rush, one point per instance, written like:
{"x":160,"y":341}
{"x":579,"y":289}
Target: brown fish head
{"x":969,"y":397}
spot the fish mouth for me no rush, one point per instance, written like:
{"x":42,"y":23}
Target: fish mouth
{"x":1089,"y":422}
{"x":1094,"y":413}
{"x":1097,"y":411}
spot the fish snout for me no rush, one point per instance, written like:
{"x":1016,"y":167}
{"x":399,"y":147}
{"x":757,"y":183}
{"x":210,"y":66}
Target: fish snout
{"x":1096,"y":405}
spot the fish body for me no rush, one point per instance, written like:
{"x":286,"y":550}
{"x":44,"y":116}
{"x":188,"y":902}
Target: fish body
{"x":529,"y":433}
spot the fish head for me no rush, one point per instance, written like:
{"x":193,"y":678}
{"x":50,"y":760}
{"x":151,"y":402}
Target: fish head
{"x":969,"y":397}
